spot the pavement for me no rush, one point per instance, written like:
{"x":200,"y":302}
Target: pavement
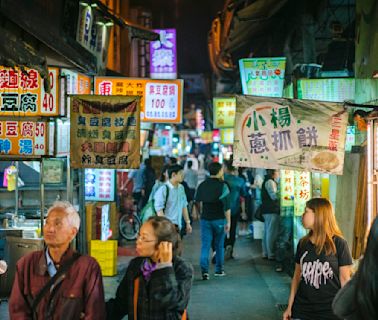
{"x":251,"y":288}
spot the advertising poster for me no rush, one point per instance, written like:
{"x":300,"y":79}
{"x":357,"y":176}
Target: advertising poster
{"x":227,"y":136}
{"x":105,"y":132}
{"x":22,"y":93}
{"x":224,"y":112}
{"x":332,"y":90}
{"x":53,"y":171}
{"x":163,"y":57}
{"x":99,"y":184}
{"x":287,"y":188}
{"x":23,"y":138}
{"x":289,"y":134}
{"x":161,"y":100}
{"x":263,"y":76}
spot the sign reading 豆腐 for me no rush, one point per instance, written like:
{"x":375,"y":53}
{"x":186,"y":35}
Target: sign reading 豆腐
{"x":263,"y":76}
{"x":163,"y":59}
{"x":161,"y":100}
{"x":105,"y":132}
{"x":289,"y":134}
{"x":224,"y":112}
{"x":22,"y":93}
{"x":23,"y":138}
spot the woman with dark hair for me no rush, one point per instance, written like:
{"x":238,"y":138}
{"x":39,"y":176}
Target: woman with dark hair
{"x":323,"y":265}
{"x":358,"y":300}
{"x":157,"y":284}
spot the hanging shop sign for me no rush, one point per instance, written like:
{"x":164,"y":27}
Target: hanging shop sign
{"x":93,"y":33}
{"x":263,"y":76}
{"x":332,"y":90}
{"x":53,"y":171}
{"x":77,"y":83}
{"x":287,"y":188}
{"x":227,"y":136}
{"x":302,"y":191}
{"x":99,"y":184}
{"x":23,"y":138}
{"x":161,"y":100}
{"x":163,"y":57}
{"x":23,"y":94}
{"x":105,"y":132}
{"x":289,"y":134}
{"x":224,"y":112}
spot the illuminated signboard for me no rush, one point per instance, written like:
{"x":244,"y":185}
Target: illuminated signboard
{"x":163,"y":58}
{"x":23,"y":138}
{"x":333,"y":90}
{"x":99,"y":184}
{"x":287,"y":188}
{"x":263,"y":76}
{"x":302,"y":192}
{"x":161,"y":99}
{"x":23,"y":93}
{"x":224,"y":112}
{"x":227,"y":136}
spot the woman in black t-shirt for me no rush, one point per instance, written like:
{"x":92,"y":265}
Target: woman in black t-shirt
{"x":323,"y":265}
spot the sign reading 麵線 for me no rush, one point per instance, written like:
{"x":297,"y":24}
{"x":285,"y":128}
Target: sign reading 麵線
{"x":289,"y":134}
{"x":263,"y":76}
{"x":161,"y":100}
{"x":163,"y":58}
{"x":224,"y":112}
{"x":22,"y":93}
{"x":105,"y":132}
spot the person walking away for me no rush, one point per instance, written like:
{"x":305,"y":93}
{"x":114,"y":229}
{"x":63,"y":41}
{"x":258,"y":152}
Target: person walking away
{"x":57,"y":282}
{"x":256,"y":186}
{"x":191,"y":178}
{"x":214,"y":197}
{"x":246,"y":200}
{"x":237,"y":190}
{"x":157,"y":284}
{"x":357,"y":300}
{"x":149,"y":177}
{"x":270,"y":208}
{"x":323,"y":265}
{"x":173,"y":207}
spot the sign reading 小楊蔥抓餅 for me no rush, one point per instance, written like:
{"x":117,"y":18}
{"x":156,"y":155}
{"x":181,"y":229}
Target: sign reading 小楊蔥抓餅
{"x":23,"y":138}
{"x":105,"y":132}
{"x":289,"y":134}
{"x":161,"y":100}
{"x":163,"y":58}
{"x":224,"y":112}
{"x":22,"y":93}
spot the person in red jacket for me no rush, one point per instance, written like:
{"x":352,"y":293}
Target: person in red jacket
{"x":77,"y":293}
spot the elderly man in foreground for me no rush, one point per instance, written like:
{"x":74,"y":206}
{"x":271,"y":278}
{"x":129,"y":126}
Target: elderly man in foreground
{"x":57,"y":282}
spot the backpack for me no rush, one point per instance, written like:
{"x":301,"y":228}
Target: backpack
{"x":149,"y":209}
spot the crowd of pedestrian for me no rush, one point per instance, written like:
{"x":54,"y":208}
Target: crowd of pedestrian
{"x":157,"y":284}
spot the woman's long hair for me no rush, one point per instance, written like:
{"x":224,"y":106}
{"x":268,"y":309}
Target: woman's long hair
{"x":367,"y":278}
{"x":165,"y":230}
{"x":325,"y":226}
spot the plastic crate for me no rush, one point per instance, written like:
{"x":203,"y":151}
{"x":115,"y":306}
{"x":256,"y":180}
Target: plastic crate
{"x":105,"y":252}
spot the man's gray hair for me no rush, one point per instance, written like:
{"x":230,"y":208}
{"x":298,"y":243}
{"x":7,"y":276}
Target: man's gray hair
{"x":69,"y":209}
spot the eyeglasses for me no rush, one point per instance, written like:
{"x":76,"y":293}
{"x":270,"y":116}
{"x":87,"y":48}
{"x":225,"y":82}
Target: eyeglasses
{"x":139,"y":237}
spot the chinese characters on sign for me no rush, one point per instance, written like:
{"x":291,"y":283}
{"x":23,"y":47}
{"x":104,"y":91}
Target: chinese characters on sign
{"x":302,"y":191}
{"x":99,"y":184}
{"x":24,"y":138}
{"x":163,"y":59}
{"x":161,"y":100}
{"x":227,"y":135}
{"x":333,"y":90}
{"x":224,"y":112}
{"x":105,"y":132}
{"x":289,"y":134}
{"x":263,"y":76}
{"x":22,"y":93}
{"x":287,"y":188}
